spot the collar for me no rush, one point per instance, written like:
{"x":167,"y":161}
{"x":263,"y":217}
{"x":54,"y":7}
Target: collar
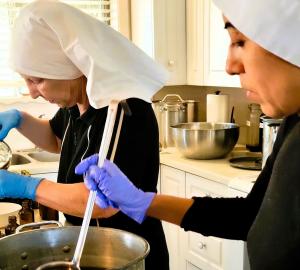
{"x":87,"y":117}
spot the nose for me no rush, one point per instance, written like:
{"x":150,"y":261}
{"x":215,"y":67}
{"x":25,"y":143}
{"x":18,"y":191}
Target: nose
{"x":234,"y":65}
{"x":34,"y":93}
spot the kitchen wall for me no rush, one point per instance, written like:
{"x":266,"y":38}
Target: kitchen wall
{"x":237,"y":99}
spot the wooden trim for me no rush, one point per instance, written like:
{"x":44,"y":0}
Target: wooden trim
{"x":124,"y":17}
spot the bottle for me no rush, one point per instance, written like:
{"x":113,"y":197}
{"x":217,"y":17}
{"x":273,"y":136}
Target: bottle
{"x":33,"y":204}
{"x":254,"y":130}
{"x":26,"y":214}
{"x":12,"y":225}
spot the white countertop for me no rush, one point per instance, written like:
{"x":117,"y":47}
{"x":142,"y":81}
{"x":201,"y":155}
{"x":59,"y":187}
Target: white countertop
{"x":34,"y":162}
{"x":218,"y":170}
{"x":35,"y":167}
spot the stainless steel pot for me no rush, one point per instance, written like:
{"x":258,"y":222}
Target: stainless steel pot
{"x":270,"y":130}
{"x":105,"y":248}
{"x":171,"y":110}
{"x":5,"y":155}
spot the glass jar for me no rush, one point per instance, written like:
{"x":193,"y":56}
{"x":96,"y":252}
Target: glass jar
{"x":12,"y":225}
{"x":254,"y":129}
{"x":26,"y":214}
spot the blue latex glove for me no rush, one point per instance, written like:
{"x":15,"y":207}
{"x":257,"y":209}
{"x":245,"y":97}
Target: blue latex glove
{"x":13,"y":185}
{"x":8,"y":120}
{"x":114,"y":188}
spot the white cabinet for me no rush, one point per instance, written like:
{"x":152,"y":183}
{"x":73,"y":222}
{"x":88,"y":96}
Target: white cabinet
{"x":158,"y":28}
{"x":211,"y":253}
{"x":193,"y":251}
{"x":195,"y":41}
{"x":207,"y":45}
{"x":173,"y":183}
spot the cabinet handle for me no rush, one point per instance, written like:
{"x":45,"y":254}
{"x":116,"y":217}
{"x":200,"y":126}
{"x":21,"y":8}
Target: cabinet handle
{"x":201,"y":245}
{"x":171,"y":63}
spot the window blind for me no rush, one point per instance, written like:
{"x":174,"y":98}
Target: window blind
{"x":11,"y":84}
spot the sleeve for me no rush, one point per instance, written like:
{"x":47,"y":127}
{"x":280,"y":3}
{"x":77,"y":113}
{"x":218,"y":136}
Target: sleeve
{"x":229,"y":218}
{"x":232,"y":218}
{"x":58,"y":123}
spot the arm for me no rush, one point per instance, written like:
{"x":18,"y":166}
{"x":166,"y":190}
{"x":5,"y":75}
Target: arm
{"x":68,"y":198}
{"x":39,"y":132}
{"x":169,"y":208}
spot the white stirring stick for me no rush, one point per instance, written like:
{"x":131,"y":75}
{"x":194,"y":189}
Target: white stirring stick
{"x":107,"y":134}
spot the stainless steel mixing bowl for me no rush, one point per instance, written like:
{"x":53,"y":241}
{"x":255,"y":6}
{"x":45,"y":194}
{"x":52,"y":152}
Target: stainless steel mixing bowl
{"x":204,"y":140}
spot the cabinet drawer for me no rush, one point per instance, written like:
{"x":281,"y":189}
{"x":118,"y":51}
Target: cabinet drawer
{"x":208,"y":248}
{"x":199,"y":186}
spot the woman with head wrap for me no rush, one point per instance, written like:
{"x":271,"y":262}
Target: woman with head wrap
{"x":79,"y":63}
{"x":265,"y":52}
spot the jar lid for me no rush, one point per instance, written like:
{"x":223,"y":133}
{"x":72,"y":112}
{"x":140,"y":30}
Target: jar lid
{"x":5,"y":155}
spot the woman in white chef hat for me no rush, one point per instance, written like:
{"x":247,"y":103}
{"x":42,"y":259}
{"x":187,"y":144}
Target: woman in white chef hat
{"x":265,"y":52}
{"x":77,"y":62}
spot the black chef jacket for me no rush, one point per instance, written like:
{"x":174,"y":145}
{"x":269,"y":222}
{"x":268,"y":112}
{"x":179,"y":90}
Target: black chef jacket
{"x":269,"y":217}
{"x":137,"y":156}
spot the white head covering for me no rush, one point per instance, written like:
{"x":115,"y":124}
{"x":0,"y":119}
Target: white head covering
{"x":53,"y":40}
{"x":273,"y":24}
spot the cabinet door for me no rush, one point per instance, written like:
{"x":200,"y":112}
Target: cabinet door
{"x":194,"y":41}
{"x":158,"y":28}
{"x":216,"y":42}
{"x":207,"y":44}
{"x":173,"y":183}
{"x":190,"y":266}
{"x":211,"y":253}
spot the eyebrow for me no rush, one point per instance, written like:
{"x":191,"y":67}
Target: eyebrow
{"x":228,"y":25}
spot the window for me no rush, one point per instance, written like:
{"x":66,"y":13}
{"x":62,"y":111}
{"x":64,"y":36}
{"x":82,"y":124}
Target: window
{"x":11,"y":84}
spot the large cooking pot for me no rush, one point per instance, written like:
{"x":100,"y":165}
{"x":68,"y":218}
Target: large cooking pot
{"x":105,"y":248}
{"x":171,"y":110}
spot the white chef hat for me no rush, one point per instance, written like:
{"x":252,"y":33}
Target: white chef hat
{"x":273,"y":24}
{"x":53,"y":40}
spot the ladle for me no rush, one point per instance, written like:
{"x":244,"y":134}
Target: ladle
{"x":107,"y":134}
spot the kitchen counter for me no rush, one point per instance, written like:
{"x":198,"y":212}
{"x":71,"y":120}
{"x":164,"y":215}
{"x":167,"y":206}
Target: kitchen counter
{"x":218,"y":170}
{"x":35,"y":167}
{"x":34,"y":161}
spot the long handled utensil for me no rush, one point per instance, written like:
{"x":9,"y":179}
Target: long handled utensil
{"x":105,"y":143}
{"x":108,"y":130}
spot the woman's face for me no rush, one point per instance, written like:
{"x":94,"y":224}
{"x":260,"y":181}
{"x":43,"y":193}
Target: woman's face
{"x":267,"y":79}
{"x":64,"y":93}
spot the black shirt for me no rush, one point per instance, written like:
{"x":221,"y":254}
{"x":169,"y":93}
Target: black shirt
{"x":269,"y":217}
{"x":137,"y":155}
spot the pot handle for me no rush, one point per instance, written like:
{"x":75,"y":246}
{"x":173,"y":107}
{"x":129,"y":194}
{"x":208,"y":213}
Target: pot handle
{"x":37,"y":225}
{"x":172,"y":95}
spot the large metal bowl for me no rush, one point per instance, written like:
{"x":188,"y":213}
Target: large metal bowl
{"x":204,"y":140}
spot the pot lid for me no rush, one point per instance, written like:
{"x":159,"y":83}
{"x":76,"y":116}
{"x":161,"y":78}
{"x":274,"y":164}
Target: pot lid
{"x":5,"y":154}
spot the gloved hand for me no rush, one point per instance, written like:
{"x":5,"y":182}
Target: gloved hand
{"x":8,"y":120}
{"x":114,"y":188}
{"x":13,"y":185}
